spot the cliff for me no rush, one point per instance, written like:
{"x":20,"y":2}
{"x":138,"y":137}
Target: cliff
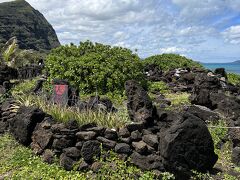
{"x":18,"y":18}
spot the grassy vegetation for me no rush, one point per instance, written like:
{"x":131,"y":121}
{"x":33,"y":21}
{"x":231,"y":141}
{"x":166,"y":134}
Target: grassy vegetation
{"x":23,"y":88}
{"x":218,"y":133}
{"x":64,"y":114}
{"x":178,"y":99}
{"x":159,"y":86}
{"x":224,"y":153}
{"x":18,"y":162}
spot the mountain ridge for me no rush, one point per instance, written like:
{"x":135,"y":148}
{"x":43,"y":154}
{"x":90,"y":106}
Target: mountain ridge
{"x":18,"y":18}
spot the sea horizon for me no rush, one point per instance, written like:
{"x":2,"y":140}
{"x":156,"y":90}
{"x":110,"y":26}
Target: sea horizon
{"x":231,"y":67}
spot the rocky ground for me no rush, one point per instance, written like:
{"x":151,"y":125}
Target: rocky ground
{"x":202,"y":135}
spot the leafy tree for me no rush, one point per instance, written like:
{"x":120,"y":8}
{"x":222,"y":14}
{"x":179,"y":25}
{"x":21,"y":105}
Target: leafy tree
{"x":171,"y":61}
{"x":94,"y":67}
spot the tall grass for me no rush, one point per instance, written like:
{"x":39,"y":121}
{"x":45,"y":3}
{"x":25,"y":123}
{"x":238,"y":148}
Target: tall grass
{"x":64,"y":113}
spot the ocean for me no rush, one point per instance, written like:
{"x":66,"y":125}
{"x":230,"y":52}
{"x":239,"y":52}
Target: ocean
{"x":229,"y":67}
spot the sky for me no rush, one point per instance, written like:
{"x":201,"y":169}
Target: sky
{"x":204,"y":30}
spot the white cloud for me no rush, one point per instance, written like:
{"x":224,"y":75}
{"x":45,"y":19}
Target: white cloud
{"x":232,"y":34}
{"x":173,"y":50}
{"x":1,"y":1}
{"x":189,"y":27}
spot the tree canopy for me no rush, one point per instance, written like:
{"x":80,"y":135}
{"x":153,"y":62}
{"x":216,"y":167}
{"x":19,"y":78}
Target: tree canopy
{"x":94,"y":67}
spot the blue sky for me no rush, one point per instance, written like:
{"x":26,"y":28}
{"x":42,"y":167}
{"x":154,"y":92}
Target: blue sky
{"x":205,"y":30}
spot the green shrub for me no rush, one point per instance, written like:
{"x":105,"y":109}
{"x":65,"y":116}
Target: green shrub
{"x":171,"y":61}
{"x":234,"y":78}
{"x":94,"y":67}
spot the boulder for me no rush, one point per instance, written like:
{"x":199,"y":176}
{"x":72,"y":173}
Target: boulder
{"x":204,"y":85}
{"x":188,"y":78}
{"x":63,"y":142}
{"x":125,"y":140}
{"x":48,"y":156}
{"x":86,"y":135}
{"x":86,"y":127}
{"x":186,"y":145}
{"x":106,"y":143}
{"x":79,"y":145}
{"x":203,"y":113}
{"x":151,"y":140}
{"x":98,"y":130}
{"x":111,"y":134}
{"x":140,"y":147}
{"x":97,"y":104}
{"x":139,"y":104}
{"x":134,"y":126}
{"x":90,"y":149}
{"x":136,"y":136}
{"x":123,"y":132}
{"x":202,"y":97}
{"x":41,"y":139}
{"x":3,"y":127}
{"x":56,"y":128}
{"x":149,"y":162}
{"x":221,"y":72}
{"x":123,"y":148}
{"x":236,"y":156}
{"x":83,"y":166}
{"x":66,"y":162}
{"x":72,"y":152}
{"x":24,"y":123}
